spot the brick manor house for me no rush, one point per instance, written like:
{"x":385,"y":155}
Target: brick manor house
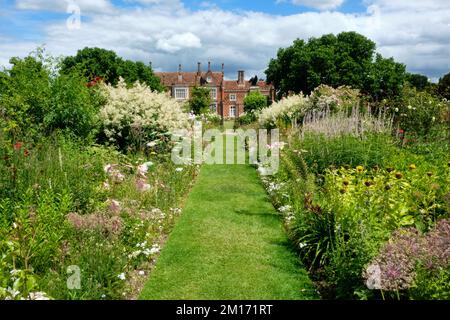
{"x":227,"y":95}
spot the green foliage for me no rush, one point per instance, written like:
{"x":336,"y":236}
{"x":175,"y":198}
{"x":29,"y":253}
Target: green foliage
{"x":418,"y":81}
{"x":432,"y":285}
{"x":418,"y":112}
{"x":385,"y":78}
{"x":97,"y":62}
{"x":36,"y":101}
{"x":443,"y":87}
{"x":320,"y":152}
{"x":346,"y":59}
{"x":25,"y":97}
{"x":342,"y":197}
{"x":74,"y":106}
{"x":200,"y":100}
{"x":55,"y":199}
{"x":254,"y":102}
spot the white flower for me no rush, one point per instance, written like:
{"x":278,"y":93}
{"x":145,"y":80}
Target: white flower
{"x":121,"y":276}
{"x":396,"y":110}
{"x":142,"y":170}
{"x":285,"y":208}
{"x":106,"y":185}
{"x":38,"y":296}
{"x":179,"y":169}
{"x":12,"y":292}
{"x":152,"y":144}
{"x":141,"y":273}
{"x":410,"y":107}
{"x":139,"y":107}
{"x":302,"y":245}
{"x":108,"y":168}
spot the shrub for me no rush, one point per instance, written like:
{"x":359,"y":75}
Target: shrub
{"x":25,"y":97}
{"x":418,"y":112}
{"x":254,"y":102}
{"x":284,"y":112}
{"x":132,"y":117}
{"x":413,"y":261}
{"x":74,"y":106}
{"x":35,"y":100}
{"x":200,"y":100}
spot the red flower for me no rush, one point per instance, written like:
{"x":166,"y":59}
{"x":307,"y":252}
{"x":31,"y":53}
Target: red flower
{"x":401,"y":131}
{"x":18,"y":145}
{"x":26,"y":153}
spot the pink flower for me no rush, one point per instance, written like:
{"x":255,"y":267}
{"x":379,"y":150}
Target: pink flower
{"x":142,"y":186}
{"x":114,"y":206}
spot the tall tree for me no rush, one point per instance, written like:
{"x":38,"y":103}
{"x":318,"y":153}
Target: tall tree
{"x":97,"y":62}
{"x":418,"y":81}
{"x":254,"y":101}
{"x":444,"y":86}
{"x":346,"y":59}
{"x":200,"y":100}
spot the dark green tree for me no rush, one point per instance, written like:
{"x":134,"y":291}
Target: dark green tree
{"x":385,"y":78}
{"x":254,"y":101}
{"x":418,"y":81}
{"x":97,"y":62}
{"x":200,"y":100}
{"x":346,"y":59}
{"x":443,"y":87}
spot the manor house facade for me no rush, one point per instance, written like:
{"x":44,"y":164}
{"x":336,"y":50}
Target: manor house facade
{"x":227,"y":96}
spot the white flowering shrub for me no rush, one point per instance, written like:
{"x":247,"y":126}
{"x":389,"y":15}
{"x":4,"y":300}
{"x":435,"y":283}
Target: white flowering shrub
{"x":335,"y":99}
{"x":134,"y":116}
{"x":284,"y":111}
{"x":291,"y":110}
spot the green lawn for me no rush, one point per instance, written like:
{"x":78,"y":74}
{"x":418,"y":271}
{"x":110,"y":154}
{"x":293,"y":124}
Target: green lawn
{"x":228,"y":244}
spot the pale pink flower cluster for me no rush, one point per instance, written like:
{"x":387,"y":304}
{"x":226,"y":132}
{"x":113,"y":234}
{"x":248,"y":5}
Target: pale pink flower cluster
{"x":96,"y":221}
{"x":141,"y":181}
{"x":114,"y":174}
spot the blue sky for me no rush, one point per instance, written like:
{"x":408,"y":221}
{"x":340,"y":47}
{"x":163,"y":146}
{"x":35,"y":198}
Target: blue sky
{"x":241,"y":34}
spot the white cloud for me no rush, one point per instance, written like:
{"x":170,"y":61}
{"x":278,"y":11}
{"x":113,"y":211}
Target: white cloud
{"x":86,"y":6}
{"x":178,"y":41}
{"x":413,"y":32}
{"x":316,"y":4}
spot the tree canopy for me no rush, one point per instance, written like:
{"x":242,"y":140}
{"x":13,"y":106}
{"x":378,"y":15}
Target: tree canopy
{"x":346,"y":59}
{"x":444,"y":86}
{"x":254,"y":101}
{"x":200,"y":100}
{"x":418,"y":81}
{"x":106,"y":64}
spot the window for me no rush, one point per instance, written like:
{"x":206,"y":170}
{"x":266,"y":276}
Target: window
{"x":232,"y":96}
{"x":181,"y":93}
{"x":214,"y":93}
{"x":209,"y":79}
{"x":213,"y":107}
{"x":233,"y":112}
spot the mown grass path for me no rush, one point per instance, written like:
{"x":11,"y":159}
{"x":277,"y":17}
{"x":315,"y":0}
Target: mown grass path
{"x":228,"y":244}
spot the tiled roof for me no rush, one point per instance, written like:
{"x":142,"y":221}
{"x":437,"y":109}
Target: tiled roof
{"x":234,"y":85}
{"x":188,"y":78}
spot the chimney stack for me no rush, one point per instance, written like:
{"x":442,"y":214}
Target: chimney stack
{"x":180,"y":76}
{"x":199,"y":68}
{"x":241,"y":77}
